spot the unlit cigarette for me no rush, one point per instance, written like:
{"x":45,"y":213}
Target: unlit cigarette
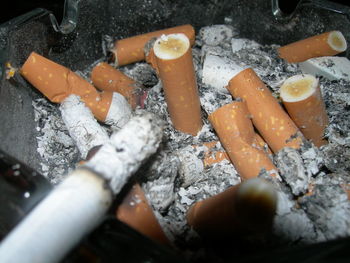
{"x":174,"y":61}
{"x":81,"y":125}
{"x":76,"y":206}
{"x":301,"y":95}
{"x":217,"y":71}
{"x":106,"y":77}
{"x":272,"y":122}
{"x":236,"y":133}
{"x":131,"y":50}
{"x":57,"y":82}
{"x":135,"y":211}
{"x":247,"y":208}
{"x":326,"y":44}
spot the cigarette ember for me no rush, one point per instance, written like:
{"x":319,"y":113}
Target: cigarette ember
{"x":310,"y":197}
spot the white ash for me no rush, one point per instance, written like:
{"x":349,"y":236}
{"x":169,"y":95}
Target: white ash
{"x":119,"y":111}
{"x":56,"y":148}
{"x":217,"y":35}
{"x":82,"y":125}
{"x":126,"y":149}
{"x":238,"y":44}
{"x":142,"y":73}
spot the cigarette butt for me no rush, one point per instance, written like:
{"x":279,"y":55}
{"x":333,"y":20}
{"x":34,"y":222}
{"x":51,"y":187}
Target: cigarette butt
{"x":272,"y":122}
{"x":135,"y":211}
{"x":57,"y":83}
{"x":212,"y":155}
{"x":131,"y":50}
{"x":301,"y":95}
{"x":236,"y":133}
{"x":326,"y":44}
{"x":247,"y":208}
{"x":107,"y":78}
{"x":174,"y":61}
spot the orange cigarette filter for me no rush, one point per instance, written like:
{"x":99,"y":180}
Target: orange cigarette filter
{"x":272,"y":122}
{"x":135,"y":211}
{"x":326,"y":44}
{"x":301,"y":96}
{"x":107,"y":78}
{"x":174,"y":61}
{"x":131,"y":50}
{"x":57,"y":82}
{"x":236,"y":133}
{"x":247,"y":208}
{"x":211,"y":154}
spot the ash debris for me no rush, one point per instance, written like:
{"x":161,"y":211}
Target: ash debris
{"x":312,"y":203}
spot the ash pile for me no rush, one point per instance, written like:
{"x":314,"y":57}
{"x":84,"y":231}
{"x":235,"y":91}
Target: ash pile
{"x":312,"y":185}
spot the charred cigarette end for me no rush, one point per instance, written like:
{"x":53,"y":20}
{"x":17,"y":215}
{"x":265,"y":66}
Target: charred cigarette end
{"x":107,"y":78}
{"x":121,"y":156}
{"x":131,"y":50}
{"x":135,"y":211}
{"x":245,"y":209}
{"x":326,"y":44}
{"x":301,"y":95}
{"x":269,"y":118}
{"x":81,"y":125}
{"x":236,"y":133}
{"x":119,"y":111}
{"x":175,"y":65}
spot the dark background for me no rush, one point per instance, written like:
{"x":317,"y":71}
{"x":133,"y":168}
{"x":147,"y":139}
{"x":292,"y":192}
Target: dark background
{"x":19,"y":7}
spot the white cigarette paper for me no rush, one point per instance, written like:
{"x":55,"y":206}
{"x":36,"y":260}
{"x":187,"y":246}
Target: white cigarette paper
{"x":82,"y":125}
{"x":77,"y":205}
{"x":218,"y":71}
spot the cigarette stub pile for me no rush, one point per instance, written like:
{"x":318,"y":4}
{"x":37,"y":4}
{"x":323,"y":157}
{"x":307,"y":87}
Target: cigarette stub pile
{"x":251,"y":128}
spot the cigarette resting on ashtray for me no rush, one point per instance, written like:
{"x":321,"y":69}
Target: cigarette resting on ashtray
{"x":131,"y":50}
{"x":326,"y":44}
{"x":57,"y":82}
{"x":78,"y":204}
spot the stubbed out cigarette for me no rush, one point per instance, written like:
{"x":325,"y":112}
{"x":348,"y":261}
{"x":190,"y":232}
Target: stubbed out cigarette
{"x":131,"y":50}
{"x":272,"y":122}
{"x":326,"y":44}
{"x":245,"y":209}
{"x":57,"y":82}
{"x":301,"y":95}
{"x":174,"y":61}
{"x":236,"y":133}
{"x":106,"y":77}
{"x":81,"y":125}
{"x":135,"y":211}
{"x":77,"y":205}
{"x":211,"y":155}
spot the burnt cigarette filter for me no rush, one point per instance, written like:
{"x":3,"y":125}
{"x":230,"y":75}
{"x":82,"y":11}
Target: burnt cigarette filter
{"x":131,"y":50}
{"x":57,"y":82}
{"x":244,"y":209}
{"x":105,"y":77}
{"x":81,"y":125}
{"x":301,"y":96}
{"x":211,"y":154}
{"x":236,"y":133}
{"x":326,"y":44}
{"x":135,"y":211}
{"x":174,"y":62}
{"x":269,"y":118}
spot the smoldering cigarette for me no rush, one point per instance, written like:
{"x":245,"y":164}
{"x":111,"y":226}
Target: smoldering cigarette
{"x":217,"y":71}
{"x":326,"y":44}
{"x":131,"y":50}
{"x":135,"y":211}
{"x":81,"y":125}
{"x":269,"y":118}
{"x":57,"y":82}
{"x":174,"y":61}
{"x":105,"y":77}
{"x":245,"y":209}
{"x":301,"y":95}
{"x":236,"y":133}
{"x":77,"y":205}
